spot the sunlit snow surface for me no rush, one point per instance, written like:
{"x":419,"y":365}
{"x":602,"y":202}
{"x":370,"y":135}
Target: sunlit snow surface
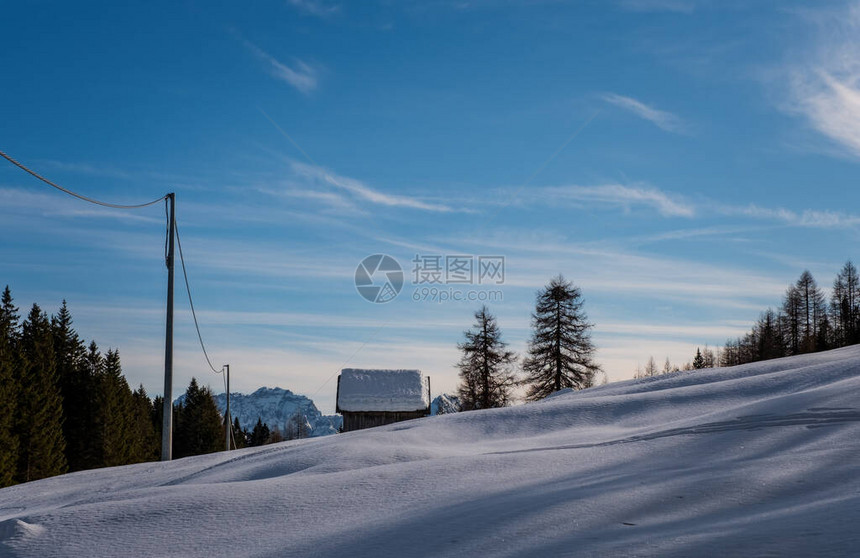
{"x":759,"y":460}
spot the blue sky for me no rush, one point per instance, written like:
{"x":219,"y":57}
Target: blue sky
{"x":681,"y":161}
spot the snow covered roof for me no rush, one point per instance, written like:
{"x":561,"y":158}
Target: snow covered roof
{"x":362,"y":390}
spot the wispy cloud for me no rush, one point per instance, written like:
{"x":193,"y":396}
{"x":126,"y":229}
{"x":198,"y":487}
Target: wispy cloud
{"x":807,"y":218}
{"x":316,"y":7}
{"x":302,"y":76}
{"x":336,"y":201}
{"x":662,"y":119}
{"x":59,"y":205}
{"x":363,"y":191}
{"x":824,"y":86}
{"x":624,"y":196}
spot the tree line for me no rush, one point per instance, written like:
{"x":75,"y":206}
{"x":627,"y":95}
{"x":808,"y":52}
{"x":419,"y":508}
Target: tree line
{"x":805,"y":322}
{"x":65,"y":406}
{"x":560,"y":352}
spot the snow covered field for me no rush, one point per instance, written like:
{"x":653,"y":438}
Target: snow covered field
{"x":758,"y":460}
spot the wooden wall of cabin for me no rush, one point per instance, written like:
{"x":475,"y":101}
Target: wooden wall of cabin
{"x":359,"y":421}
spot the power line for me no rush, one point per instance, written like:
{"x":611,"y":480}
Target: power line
{"x":191,"y":303}
{"x":76,"y":195}
{"x":168,"y":254}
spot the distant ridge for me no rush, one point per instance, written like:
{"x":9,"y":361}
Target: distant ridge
{"x":275,"y":406}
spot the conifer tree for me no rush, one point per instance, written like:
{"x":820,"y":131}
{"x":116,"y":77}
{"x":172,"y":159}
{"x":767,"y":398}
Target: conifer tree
{"x":560,"y":350}
{"x":650,"y":367}
{"x":198,"y":427}
{"x":698,"y":360}
{"x":792,"y":309}
{"x":157,"y":418}
{"x":93,"y":449}
{"x":768,"y":338}
{"x":115,"y":410}
{"x":812,"y":310}
{"x":41,"y":450}
{"x":9,"y":334}
{"x":240,"y":437}
{"x":260,"y":434}
{"x":297,"y":427}
{"x":667,"y":366}
{"x":145,"y":445}
{"x":486,"y":374}
{"x":845,"y":305}
{"x":75,"y":387}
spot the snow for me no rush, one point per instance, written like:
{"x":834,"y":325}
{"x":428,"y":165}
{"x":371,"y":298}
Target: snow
{"x":275,"y":407}
{"x":445,"y":404}
{"x":382,"y":390}
{"x":756,"y":460}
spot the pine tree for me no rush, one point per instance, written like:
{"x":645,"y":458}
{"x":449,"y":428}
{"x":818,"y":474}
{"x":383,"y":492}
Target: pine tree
{"x":144,"y":443}
{"x":92,"y":455}
{"x":198,"y":427}
{"x":115,"y":411}
{"x":260,"y":434}
{"x":75,"y":386}
{"x":240,"y":438}
{"x":157,"y":418}
{"x":9,"y":335}
{"x":667,"y":366}
{"x":698,"y":360}
{"x":486,"y":374}
{"x":560,"y":350}
{"x":41,"y":450}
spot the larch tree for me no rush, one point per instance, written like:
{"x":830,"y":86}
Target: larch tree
{"x":812,"y":311}
{"x":651,"y":367}
{"x":768,"y":339}
{"x":845,"y":305}
{"x":792,"y":311}
{"x":487,"y":377}
{"x":560,"y":353}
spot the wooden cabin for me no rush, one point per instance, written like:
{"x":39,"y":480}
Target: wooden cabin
{"x":368,"y":398}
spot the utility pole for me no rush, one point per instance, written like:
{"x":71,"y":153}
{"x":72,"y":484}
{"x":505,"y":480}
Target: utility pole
{"x":167,"y":414}
{"x":227,"y":415}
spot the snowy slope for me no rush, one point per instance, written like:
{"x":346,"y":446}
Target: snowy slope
{"x":758,"y":460}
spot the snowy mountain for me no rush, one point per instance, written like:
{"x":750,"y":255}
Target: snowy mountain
{"x":755,"y":460}
{"x":275,"y":406}
{"x":445,"y":405}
